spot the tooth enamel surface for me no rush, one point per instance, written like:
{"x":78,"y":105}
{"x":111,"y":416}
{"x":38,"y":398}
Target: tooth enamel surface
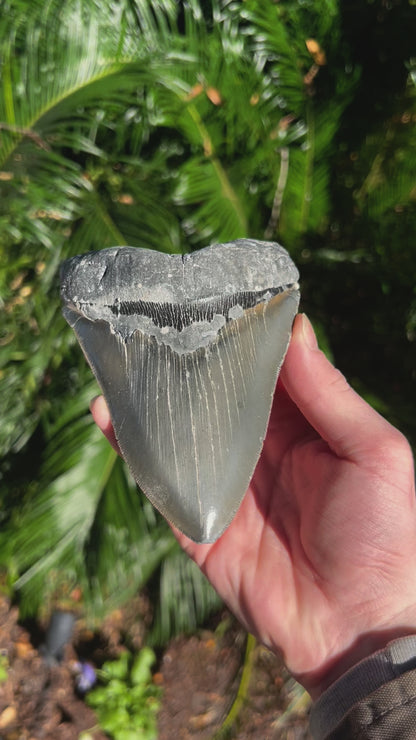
{"x":187,"y":351}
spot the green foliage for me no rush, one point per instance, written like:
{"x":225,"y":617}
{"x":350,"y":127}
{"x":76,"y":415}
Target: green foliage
{"x":184,"y":602}
{"x":128,"y":701}
{"x":168,"y":125}
{"x":84,"y":514}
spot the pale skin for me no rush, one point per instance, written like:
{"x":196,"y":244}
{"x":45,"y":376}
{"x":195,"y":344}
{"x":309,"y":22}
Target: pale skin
{"x":320,"y":560}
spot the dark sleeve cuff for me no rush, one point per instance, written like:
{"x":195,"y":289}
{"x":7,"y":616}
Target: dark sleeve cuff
{"x":367,"y":676}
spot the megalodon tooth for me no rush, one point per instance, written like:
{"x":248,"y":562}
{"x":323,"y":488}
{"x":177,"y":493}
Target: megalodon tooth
{"x":187,"y":350}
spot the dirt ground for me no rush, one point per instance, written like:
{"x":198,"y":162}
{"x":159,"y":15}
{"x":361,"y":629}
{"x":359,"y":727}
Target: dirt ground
{"x":200,"y":676}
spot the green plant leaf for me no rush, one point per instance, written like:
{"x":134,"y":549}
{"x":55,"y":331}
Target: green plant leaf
{"x":83,"y":522}
{"x":140,"y":671}
{"x":185,"y":598}
{"x":129,"y":701}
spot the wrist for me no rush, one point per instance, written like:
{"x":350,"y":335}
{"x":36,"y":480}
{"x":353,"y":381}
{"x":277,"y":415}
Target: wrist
{"x":316,"y":682}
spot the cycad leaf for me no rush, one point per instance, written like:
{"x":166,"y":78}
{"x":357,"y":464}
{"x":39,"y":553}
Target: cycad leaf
{"x":77,"y":67}
{"x":126,"y":543}
{"x":271,"y":42}
{"x":58,"y":519}
{"x":84,"y":517}
{"x":218,"y":209}
{"x":186,"y":598}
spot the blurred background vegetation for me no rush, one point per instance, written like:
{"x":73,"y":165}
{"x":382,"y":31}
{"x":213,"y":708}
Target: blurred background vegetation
{"x":170,"y":125}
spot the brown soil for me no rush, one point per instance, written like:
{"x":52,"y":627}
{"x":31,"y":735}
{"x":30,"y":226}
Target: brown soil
{"x":200,"y":676}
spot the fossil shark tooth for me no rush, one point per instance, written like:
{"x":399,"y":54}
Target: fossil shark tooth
{"x":187,"y":350}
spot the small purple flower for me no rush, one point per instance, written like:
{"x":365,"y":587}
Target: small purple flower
{"x":86,"y":677}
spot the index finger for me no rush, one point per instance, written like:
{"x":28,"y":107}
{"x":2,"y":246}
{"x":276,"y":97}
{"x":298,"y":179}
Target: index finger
{"x":348,"y":424}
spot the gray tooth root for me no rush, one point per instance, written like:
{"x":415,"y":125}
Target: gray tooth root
{"x":187,"y":353}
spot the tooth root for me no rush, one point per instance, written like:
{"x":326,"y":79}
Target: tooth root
{"x":190,"y":406}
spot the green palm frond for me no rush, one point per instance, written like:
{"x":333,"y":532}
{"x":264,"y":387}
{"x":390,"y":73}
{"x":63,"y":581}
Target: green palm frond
{"x":218,"y":208}
{"x":186,"y":598}
{"x":282,"y":59}
{"x":66,"y":65}
{"x":83,"y":515}
{"x":57,"y":519}
{"x":49,"y":97}
{"x":126,"y":210}
{"x":278,"y":34}
{"x":307,"y":188}
{"x":34,"y":339}
{"x":126,"y":544}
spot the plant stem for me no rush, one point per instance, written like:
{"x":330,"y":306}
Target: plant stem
{"x":278,"y":196}
{"x":242,"y":692}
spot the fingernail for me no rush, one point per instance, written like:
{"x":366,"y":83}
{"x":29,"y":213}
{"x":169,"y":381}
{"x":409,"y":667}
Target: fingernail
{"x":308,"y":333}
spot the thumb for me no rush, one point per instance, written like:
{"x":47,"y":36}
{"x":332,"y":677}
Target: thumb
{"x":340,"y":416}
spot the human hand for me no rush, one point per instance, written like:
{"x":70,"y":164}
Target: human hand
{"x":320,"y":561}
